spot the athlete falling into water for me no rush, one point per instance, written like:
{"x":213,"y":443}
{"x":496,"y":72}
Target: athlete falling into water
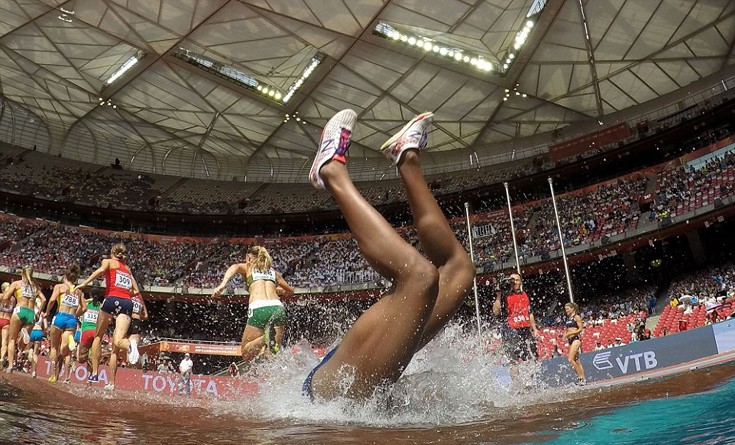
{"x":425,"y":293}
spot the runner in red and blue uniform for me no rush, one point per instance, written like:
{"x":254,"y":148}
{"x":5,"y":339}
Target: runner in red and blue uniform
{"x":120,"y":286}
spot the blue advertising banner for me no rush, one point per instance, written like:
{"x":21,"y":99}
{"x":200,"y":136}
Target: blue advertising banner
{"x":725,"y":335}
{"x":642,"y":356}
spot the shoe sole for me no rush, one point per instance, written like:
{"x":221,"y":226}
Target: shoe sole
{"x":405,"y":128}
{"x":343,"y":119}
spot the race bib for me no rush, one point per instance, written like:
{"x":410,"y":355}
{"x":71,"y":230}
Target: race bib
{"x":90,"y":317}
{"x":71,"y":300}
{"x":520,"y":318}
{"x":26,"y":291}
{"x":16,"y":310}
{"x":123,"y":280}
{"x":137,"y":307}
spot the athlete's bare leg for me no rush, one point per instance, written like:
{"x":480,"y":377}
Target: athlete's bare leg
{"x":456,"y":271}
{"x":382,"y":342}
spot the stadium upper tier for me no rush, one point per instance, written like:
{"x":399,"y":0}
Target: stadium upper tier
{"x":624,"y":207}
{"x":31,"y":173}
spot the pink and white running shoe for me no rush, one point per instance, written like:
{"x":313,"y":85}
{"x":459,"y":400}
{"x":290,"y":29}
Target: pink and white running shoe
{"x":336,"y":139}
{"x":413,"y":135}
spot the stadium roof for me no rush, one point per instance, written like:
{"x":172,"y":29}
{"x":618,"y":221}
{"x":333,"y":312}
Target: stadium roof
{"x":189,"y":107}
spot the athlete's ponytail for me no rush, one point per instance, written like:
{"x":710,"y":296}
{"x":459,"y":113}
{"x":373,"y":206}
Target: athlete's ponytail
{"x":72,"y":273}
{"x":27,"y":276}
{"x":118,"y":252}
{"x":574,"y":307}
{"x":263,"y":260}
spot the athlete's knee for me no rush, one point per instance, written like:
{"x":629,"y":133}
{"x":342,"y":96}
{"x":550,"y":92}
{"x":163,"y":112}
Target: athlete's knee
{"x":422,"y":275}
{"x":120,"y":343}
{"x":462,"y":268}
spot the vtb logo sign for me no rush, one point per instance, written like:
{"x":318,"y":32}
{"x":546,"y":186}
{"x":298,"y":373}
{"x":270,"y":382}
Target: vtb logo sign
{"x":642,"y":361}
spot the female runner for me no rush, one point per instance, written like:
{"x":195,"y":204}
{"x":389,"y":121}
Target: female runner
{"x":70,"y":304}
{"x":88,"y":327}
{"x":140,"y":313}
{"x":120,"y":285}
{"x":426,"y":292}
{"x":26,"y":290}
{"x":6,"y":311}
{"x":265,"y":309}
{"x":35,"y":341}
{"x":574,"y":326}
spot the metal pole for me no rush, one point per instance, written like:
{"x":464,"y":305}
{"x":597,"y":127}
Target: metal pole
{"x":512,"y":229}
{"x":561,"y":241}
{"x":474,"y":279}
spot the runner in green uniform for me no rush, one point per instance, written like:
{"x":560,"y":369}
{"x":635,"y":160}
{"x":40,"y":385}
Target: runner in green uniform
{"x":87,"y":328}
{"x":265,"y":309}
{"x":26,"y":292}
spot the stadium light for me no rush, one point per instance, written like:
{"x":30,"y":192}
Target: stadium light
{"x":537,"y":7}
{"x":234,"y":75}
{"x":427,"y":44}
{"x":124,"y":68}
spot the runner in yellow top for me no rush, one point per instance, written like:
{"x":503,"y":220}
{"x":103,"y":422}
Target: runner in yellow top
{"x":70,"y":304}
{"x":26,"y":290}
{"x":265,"y":309}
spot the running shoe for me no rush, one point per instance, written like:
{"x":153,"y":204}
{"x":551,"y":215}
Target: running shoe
{"x":52,"y":379}
{"x":413,"y":135}
{"x":9,"y":370}
{"x":72,"y":344}
{"x":270,"y":341}
{"x":26,"y":337}
{"x":34,"y":375}
{"x":133,"y":354}
{"x":336,"y":139}
{"x":110,"y":387}
{"x":93,"y":378}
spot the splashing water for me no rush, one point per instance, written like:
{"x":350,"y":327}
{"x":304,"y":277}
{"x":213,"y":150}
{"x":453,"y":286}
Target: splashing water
{"x":450,"y":381}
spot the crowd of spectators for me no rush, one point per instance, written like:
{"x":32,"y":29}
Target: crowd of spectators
{"x":680,"y":190}
{"x":587,"y":215}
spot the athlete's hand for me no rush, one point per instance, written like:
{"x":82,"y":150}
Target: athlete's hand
{"x":217,"y":291}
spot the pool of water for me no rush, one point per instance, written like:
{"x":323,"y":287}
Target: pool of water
{"x":469,"y":402}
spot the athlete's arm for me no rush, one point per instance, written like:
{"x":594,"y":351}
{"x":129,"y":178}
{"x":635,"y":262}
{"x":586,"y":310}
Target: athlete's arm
{"x":103,"y":267}
{"x":231,"y":271}
{"x":135,"y":290}
{"x":580,"y":324}
{"x":10,"y":290}
{"x":287,"y":289}
{"x":82,"y":305}
{"x":40,"y":295}
{"x":54,"y":297}
{"x":144,"y":312}
{"x":534,"y":330}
